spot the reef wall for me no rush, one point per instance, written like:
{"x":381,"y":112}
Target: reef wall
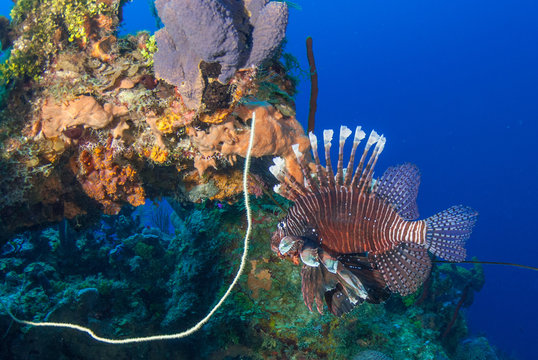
{"x":95,"y":121}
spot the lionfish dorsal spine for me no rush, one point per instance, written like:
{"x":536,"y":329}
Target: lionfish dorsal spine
{"x":344,"y":134}
{"x":359,"y":175}
{"x":292,"y":188}
{"x":305,"y":169}
{"x":327,"y":138}
{"x":289,"y":188}
{"x":319,"y":170}
{"x":369,"y":169}
{"x":359,"y":135}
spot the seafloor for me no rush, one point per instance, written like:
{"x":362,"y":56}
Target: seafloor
{"x":120,"y":194}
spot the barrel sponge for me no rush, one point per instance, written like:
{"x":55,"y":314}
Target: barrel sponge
{"x":214,"y":31}
{"x":269,"y":31}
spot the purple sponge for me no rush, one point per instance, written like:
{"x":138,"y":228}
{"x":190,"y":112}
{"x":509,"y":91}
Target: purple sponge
{"x":232,"y":33}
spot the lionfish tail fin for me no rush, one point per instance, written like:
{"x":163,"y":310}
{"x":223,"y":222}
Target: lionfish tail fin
{"x":447,"y":231}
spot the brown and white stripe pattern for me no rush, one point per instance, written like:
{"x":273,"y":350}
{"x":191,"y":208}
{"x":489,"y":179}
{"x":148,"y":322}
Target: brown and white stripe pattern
{"x":345,"y":212}
{"x":348,"y":215}
{"x":350,"y":221}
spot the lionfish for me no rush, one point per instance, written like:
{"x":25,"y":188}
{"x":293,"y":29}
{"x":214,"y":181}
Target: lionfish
{"x":357,"y":237}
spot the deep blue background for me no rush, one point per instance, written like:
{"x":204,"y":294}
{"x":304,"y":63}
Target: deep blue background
{"x":453,"y":85}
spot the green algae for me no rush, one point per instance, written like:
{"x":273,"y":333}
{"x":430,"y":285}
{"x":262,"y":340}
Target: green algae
{"x":45,"y":27}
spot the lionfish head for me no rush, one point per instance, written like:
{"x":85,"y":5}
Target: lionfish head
{"x":284,"y":245}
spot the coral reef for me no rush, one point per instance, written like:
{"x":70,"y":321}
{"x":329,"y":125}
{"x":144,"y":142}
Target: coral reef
{"x":87,"y":127}
{"x":475,"y":349}
{"x":371,"y":355}
{"x":41,"y":27}
{"x":70,"y":118}
{"x":163,"y":264}
{"x":148,"y":281}
{"x":89,"y":86}
{"x":106,"y":181}
{"x":226,"y":35}
{"x":276,"y":135}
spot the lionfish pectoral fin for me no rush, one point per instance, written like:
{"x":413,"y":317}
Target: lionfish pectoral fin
{"x":307,"y":287}
{"x":315,"y":282}
{"x":404,"y":268}
{"x":338,"y":302}
{"x":372,"y":280}
{"x":399,"y":187}
{"x":447,"y":231}
{"x":352,"y":285}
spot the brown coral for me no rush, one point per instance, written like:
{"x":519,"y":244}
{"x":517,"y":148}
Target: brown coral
{"x":175,"y":117}
{"x":102,"y":49}
{"x":55,"y":118}
{"x":225,"y":185}
{"x":107,"y":182}
{"x":258,"y":279}
{"x":59,"y":119}
{"x":275,"y":134}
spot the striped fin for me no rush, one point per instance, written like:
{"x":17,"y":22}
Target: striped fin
{"x":366,"y":177}
{"x":322,"y":177}
{"x":359,"y":135}
{"x":338,"y":302}
{"x":305,"y":169}
{"x":404,"y":267}
{"x":326,"y":176}
{"x":319,"y":284}
{"x":341,"y":293}
{"x":371,"y":278}
{"x":315,"y":282}
{"x":399,"y":186}
{"x":447,"y":231}
{"x":289,"y":187}
{"x":344,"y":134}
{"x":327,"y":138}
{"x":360,"y":175}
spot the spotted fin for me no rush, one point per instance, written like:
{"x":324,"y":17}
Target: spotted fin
{"x":447,"y":231}
{"x":404,"y":268}
{"x":399,"y":186}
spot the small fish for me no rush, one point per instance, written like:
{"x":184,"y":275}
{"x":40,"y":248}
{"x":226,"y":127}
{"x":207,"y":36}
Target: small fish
{"x":358,"y":237}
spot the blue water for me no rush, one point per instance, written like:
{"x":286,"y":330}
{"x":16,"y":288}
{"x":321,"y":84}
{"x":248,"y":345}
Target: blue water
{"x":453,"y":85}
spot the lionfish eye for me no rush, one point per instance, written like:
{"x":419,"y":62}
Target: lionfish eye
{"x":281,"y":225}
